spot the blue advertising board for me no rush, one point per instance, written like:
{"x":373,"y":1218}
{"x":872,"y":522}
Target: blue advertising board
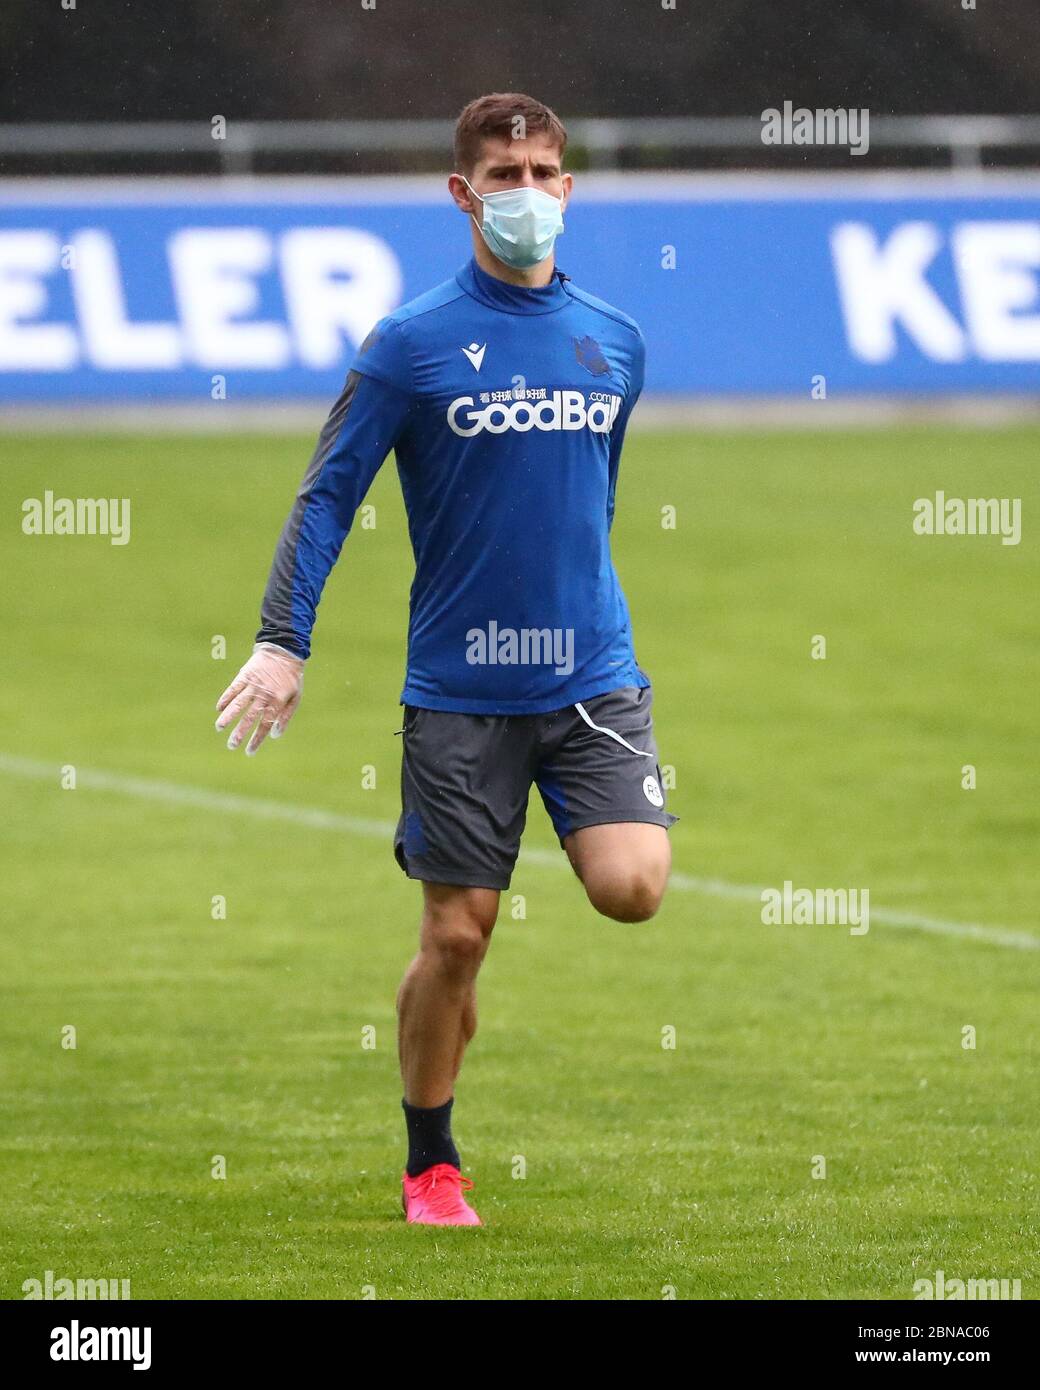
{"x":174,"y":290}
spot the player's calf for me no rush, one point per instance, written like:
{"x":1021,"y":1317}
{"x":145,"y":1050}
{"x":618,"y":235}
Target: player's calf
{"x":436,"y":1004}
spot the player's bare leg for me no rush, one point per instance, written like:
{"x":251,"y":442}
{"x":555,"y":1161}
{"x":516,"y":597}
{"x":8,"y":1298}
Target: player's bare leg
{"x":437,"y":1001}
{"x":437,"y":1017}
{"x":624,"y":867}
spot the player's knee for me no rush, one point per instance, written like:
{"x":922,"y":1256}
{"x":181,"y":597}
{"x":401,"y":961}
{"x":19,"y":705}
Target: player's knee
{"x":628,"y":892}
{"x":459,"y":946}
{"x":457,"y":931}
{"x":634,"y":899}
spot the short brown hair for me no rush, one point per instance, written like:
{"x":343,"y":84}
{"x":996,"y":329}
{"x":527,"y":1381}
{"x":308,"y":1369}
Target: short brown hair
{"x":502,"y":114}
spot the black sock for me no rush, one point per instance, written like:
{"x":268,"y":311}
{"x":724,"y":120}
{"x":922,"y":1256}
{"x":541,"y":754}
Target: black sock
{"x":429,"y":1137}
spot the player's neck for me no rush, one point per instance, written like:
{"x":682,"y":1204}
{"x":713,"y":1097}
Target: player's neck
{"x":535,"y":277}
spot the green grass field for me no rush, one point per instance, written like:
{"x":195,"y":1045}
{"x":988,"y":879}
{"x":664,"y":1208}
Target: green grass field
{"x":646,"y":1168}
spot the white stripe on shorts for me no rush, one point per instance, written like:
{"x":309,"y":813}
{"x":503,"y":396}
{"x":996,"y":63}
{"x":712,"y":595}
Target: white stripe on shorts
{"x":600,"y":729}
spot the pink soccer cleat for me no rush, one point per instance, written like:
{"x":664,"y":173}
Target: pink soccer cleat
{"x":435,"y":1198}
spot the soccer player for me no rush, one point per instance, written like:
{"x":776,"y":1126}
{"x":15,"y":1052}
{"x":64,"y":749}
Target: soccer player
{"x":504,"y":394}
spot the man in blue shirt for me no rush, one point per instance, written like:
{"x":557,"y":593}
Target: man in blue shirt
{"x":504,"y":394}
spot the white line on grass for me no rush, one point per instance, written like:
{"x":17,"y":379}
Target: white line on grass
{"x":173,"y":794}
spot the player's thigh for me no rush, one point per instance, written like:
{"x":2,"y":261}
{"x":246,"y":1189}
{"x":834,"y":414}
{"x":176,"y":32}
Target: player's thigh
{"x":623,"y":867}
{"x":465,"y":781}
{"x":625,"y":850}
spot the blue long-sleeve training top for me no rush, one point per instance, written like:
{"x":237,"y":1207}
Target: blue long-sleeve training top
{"x":506,"y":409}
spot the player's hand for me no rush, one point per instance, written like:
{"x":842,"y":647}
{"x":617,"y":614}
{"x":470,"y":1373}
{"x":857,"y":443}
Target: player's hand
{"x":263,"y":696}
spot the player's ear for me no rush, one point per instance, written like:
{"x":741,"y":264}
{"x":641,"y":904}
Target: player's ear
{"x":461,"y":196}
{"x":568,"y":184}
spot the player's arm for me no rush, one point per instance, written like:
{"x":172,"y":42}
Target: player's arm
{"x":617,"y":434}
{"x":363,"y":426}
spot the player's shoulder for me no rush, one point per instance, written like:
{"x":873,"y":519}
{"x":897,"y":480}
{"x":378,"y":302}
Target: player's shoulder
{"x":396,"y":342}
{"x":422,"y":311}
{"x":599,"y":308}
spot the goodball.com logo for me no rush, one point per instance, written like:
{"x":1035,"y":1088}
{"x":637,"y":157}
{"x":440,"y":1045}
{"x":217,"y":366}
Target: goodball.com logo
{"x":563,"y":410}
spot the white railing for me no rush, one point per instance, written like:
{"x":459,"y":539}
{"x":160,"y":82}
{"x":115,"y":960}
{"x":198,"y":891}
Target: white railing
{"x":963,"y":139}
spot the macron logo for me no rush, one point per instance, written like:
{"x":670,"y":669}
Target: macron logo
{"x":475,"y":354}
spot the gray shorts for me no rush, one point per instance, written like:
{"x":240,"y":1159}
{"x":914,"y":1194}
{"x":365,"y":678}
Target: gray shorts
{"x":465,"y":780}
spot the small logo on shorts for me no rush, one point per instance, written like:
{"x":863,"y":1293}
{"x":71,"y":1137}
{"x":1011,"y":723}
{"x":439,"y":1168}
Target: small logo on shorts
{"x":652,"y":791}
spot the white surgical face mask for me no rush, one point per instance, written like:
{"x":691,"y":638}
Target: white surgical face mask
{"x":520,"y":224}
